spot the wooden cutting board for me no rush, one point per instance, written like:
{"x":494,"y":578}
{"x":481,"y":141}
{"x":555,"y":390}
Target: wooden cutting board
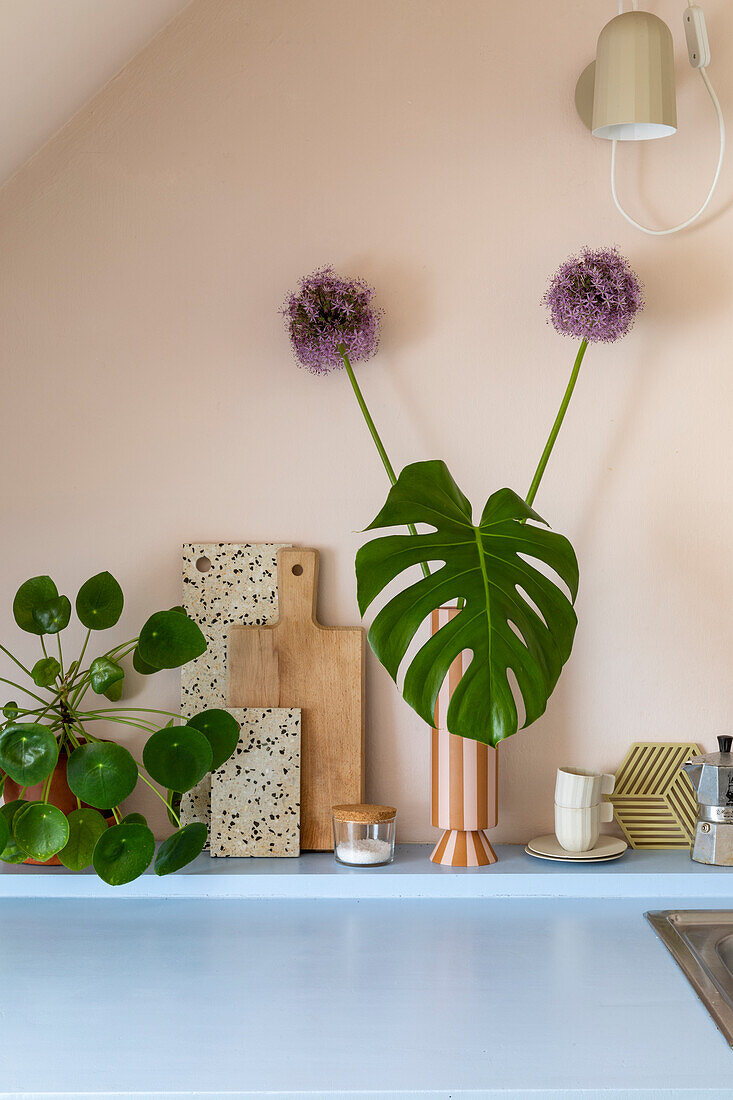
{"x":297,"y":662}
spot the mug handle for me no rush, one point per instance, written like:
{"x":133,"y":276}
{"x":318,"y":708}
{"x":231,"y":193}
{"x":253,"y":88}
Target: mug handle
{"x":606,"y":814}
{"x":608,"y":782}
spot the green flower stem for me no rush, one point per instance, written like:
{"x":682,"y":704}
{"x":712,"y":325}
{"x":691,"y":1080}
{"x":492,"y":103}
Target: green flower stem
{"x":375,"y":436}
{"x":557,"y":425}
{"x":367,"y":416}
{"x":116,"y":814}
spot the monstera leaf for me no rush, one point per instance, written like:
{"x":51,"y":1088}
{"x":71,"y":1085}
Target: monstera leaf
{"x":514,"y":616}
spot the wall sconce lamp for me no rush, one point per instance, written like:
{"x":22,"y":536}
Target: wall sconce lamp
{"x":628,"y":93}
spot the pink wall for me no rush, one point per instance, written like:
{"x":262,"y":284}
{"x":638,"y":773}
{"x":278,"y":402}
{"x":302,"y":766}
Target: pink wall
{"x":149,"y":395}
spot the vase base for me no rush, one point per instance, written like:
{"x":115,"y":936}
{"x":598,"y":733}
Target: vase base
{"x":458,"y":849}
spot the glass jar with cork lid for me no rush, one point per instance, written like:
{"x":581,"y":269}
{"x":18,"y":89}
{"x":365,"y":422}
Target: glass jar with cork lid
{"x":363,"y":835}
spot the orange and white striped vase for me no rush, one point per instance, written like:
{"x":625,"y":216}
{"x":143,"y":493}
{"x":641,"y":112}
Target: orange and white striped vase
{"x":464,"y":780}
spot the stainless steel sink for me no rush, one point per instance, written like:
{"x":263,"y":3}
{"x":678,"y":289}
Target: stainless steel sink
{"x":701,"y":941}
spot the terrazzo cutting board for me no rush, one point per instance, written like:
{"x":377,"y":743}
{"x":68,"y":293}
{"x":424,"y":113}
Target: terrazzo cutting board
{"x":224,"y":583}
{"x":255,"y":795}
{"x":298,"y":662}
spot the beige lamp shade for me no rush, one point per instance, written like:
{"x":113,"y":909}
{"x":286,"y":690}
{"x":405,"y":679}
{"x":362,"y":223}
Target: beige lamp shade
{"x":634,"y":96}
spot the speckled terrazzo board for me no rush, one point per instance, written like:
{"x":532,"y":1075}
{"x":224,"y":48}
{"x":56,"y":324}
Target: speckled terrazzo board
{"x":239,"y":589}
{"x":255,"y":795}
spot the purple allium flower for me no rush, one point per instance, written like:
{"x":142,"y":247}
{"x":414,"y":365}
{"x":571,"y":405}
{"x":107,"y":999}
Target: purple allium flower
{"x":595,"y":295}
{"x":328,"y":312}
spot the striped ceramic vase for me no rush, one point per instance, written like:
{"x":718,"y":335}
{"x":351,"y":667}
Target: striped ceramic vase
{"x":464,"y":780}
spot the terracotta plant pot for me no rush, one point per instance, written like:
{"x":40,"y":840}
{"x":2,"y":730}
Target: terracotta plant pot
{"x":59,"y":795}
{"x":464,"y":780}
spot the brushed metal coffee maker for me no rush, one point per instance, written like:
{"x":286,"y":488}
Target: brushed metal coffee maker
{"x":712,"y":778}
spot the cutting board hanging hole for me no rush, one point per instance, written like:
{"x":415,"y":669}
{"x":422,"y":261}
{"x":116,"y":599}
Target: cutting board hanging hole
{"x":297,"y":570}
{"x":203,"y":564}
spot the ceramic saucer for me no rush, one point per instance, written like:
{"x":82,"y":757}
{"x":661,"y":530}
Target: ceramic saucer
{"x":549,"y":847}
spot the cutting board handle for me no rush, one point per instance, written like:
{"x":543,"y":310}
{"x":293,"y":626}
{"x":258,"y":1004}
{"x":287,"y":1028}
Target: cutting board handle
{"x":297,"y":583}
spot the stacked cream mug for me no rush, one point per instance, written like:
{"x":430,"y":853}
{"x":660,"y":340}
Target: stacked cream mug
{"x":579,"y":808}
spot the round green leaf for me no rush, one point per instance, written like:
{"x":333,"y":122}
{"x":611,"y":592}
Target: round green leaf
{"x":11,"y":710}
{"x":45,"y":671}
{"x":28,"y":752}
{"x":123,"y":853}
{"x":41,"y":830}
{"x":133,"y":819}
{"x":221,"y":730}
{"x":114,"y":693}
{"x":142,"y":666}
{"x":180,"y":848}
{"x":8,"y":810}
{"x":169,"y":640}
{"x":99,"y":602}
{"x":178,"y":757}
{"x":53,"y":616}
{"x":85,"y":828}
{"x":31,"y":595}
{"x":103,"y":673}
{"x":12,"y":852}
{"x":101,"y":774}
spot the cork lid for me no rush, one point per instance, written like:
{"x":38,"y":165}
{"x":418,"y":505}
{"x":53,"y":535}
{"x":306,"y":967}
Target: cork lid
{"x":364,"y":813}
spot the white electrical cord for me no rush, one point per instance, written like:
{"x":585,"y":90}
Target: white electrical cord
{"x":716,"y":177}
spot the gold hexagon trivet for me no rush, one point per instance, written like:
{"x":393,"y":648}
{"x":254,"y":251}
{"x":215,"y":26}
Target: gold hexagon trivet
{"x":653,"y":799}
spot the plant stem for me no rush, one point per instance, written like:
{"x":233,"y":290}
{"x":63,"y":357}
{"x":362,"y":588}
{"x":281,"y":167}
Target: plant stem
{"x":47,"y":788}
{"x":12,"y":658}
{"x":146,"y":728}
{"x":160,"y":796}
{"x":367,"y":416}
{"x":83,"y":649}
{"x":61,"y":656}
{"x":132,"y":710}
{"x":376,"y":437}
{"x":21,"y":688}
{"x":557,"y":425}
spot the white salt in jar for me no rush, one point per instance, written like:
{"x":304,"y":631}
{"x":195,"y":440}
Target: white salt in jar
{"x":363,"y":836}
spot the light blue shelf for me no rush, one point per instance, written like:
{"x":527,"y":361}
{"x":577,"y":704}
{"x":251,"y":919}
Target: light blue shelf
{"x":316,"y":875}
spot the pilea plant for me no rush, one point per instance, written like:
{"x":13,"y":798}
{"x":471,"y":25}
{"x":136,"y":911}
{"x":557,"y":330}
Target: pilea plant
{"x":55,"y":727}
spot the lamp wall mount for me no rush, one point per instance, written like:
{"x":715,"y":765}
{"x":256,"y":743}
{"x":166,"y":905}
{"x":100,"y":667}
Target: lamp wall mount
{"x":628,"y":92}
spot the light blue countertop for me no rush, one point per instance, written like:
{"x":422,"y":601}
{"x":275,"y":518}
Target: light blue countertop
{"x":316,"y":875}
{"x":448,"y":998}
{"x":245,"y":978}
